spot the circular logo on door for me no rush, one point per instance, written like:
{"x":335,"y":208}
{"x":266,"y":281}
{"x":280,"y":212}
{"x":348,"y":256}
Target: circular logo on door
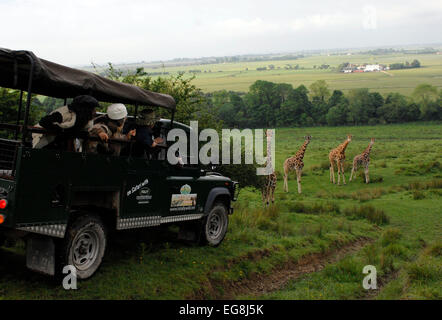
{"x":185,"y":189}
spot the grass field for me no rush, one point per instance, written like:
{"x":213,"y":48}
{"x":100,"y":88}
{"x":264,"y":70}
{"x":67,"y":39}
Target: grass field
{"x":239,"y":76}
{"x":309,"y":246}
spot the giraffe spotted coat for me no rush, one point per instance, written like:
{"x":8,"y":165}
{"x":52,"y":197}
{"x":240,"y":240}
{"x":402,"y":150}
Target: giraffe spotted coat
{"x":362,"y":160}
{"x":338,"y":155}
{"x":296,"y":163}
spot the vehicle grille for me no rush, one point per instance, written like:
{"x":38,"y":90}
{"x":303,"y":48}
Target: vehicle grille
{"x":8,"y":155}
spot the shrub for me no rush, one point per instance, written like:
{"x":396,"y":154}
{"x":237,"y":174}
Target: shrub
{"x":316,"y":208}
{"x":395,"y":249}
{"x":390,"y":236}
{"x":372,"y":214}
{"x":386,"y":262}
{"x":424,"y":270}
{"x":370,"y":252}
{"x":432,"y":184}
{"x":347,"y":270}
{"x":261,"y":218}
{"x":368,"y":194}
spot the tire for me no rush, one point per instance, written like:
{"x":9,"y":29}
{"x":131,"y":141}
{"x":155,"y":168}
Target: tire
{"x":84,"y":245}
{"x":214,"y":226}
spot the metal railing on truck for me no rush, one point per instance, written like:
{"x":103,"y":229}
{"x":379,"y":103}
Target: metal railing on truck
{"x":8,"y":157}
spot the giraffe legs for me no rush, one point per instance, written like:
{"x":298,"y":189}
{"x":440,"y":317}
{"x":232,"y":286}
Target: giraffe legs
{"x":353,"y":170}
{"x":367,"y":178}
{"x":298,"y":178}
{"x":286,"y":186}
{"x":342,"y":171}
{"x":338,"y":164}
{"x":332,"y":172}
{"x":273,"y":194}
{"x":265,"y":191}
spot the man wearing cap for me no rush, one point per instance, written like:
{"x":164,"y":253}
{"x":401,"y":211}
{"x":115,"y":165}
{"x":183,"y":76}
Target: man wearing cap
{"x":108,"y":126}
{"x":145,"y":141}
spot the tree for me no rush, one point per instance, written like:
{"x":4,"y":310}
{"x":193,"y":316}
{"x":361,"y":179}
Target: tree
{"x":336,"y":98}
{"x":229,"y":107}
{"x":337,"y":115}
{"x":9,"y":101}
{"x":319,"y":90}
{"x":425,"y":95}
{"x":342,"y":66}
{"x":294,"y":111}
{"x":190,"y":101}
{"x":362,"y":106}
{"x":395,"y":108}
{"x":264,"y":101}
{"x":415,"y":64}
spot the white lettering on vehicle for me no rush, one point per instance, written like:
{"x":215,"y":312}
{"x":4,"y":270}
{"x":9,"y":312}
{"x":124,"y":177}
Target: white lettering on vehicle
{"x":137,"y":187}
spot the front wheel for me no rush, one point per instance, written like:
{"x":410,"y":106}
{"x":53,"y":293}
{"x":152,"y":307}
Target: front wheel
{"x":84,"y":245}
{"x":214,"y":227}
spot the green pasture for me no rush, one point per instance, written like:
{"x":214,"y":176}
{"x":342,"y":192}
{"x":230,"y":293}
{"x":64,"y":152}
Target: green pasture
{"x":239,"y":76}
{"x":399,"y":213}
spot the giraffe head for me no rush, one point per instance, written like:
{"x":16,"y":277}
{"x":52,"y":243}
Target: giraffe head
{"x":307,"y":138}
{"x":372,"y":141}
{"x":349,"y":136}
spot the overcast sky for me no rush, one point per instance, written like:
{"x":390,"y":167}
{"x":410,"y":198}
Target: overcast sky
{"x":78,"y":32}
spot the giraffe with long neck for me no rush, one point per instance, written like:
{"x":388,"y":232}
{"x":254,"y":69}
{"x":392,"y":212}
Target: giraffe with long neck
{"x":338,"y":155}
{"x":362,"y":159}
{"x":268,"y":189}
{"x":295,"y":163}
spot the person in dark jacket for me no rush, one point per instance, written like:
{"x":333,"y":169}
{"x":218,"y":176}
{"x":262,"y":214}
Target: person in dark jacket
{"x":66,"y":122}
{"x":146,"y":143}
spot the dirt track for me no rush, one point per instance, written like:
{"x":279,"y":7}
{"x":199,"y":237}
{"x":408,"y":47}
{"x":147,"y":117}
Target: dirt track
{"x":259,"y":284}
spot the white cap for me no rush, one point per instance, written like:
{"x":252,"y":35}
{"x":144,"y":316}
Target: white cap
{"x":117,"y":111}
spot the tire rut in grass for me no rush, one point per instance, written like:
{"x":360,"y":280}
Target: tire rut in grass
{"x":259,"y":284}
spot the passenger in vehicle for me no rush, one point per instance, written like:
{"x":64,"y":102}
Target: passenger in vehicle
{"x":146,"y":142}
{"x":109,"y":126}
{"x":66,"y":122}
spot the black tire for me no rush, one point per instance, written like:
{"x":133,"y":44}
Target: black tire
{"x":214,"y":226}
{"x":84,"y":245}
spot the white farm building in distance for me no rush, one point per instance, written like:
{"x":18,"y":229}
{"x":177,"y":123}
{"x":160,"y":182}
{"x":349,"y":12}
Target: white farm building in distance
{"x":351,"y":68}
{"x":372,"y":67}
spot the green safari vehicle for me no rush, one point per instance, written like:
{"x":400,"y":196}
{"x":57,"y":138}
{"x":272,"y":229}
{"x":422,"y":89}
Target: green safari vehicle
{"x":64,"y":205}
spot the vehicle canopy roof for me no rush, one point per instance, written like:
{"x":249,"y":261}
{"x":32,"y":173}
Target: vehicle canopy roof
{"x":54,"y":80}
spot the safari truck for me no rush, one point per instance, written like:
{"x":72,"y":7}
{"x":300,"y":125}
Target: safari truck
{"x":65,"y":205}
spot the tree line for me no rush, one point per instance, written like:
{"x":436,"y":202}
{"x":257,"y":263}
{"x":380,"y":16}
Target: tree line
{"x":269,"y":104}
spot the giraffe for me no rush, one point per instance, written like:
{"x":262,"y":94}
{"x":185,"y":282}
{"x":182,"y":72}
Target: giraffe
{"x":338,"y":155}
{"x":295,"y":163}
{"x":268,"y":188}
{"x":362,"y":159}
